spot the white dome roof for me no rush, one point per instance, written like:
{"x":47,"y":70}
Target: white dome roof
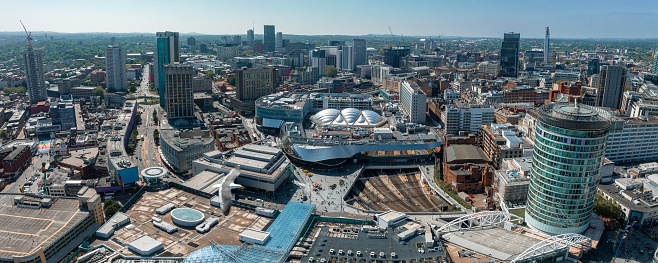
{"x":348,"y":117}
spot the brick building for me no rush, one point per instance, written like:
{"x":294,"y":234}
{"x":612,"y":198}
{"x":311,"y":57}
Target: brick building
{"x":16,"y":161}
{"x":466,"y":168}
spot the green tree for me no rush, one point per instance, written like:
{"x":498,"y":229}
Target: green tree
{"x":155,"y":117}
{"x":98,"y":91}
{"x":17,"y":90}
{"x":132,"y":142}
{"x":110,"y":207}
{"x":331,"y":71}
{"x":3,"y":134}
{"x":111,"y":90}
{"x":156,"y":136}
{"x":231,"y":80}
{"x":43,"y":165}
{"x":210,"y":74}
{"x":606,"y":207}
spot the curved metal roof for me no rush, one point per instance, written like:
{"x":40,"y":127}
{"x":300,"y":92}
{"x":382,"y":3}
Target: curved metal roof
{"x":347,"y":151}
{"x":349,"y":116}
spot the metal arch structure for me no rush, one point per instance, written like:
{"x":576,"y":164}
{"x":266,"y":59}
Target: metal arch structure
{"x":553,"y":244}
{"x":487,"y":218}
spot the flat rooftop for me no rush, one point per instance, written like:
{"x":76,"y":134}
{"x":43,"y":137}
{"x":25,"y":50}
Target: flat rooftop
{"x":23,"y":230}
{"x":186,"y":240}
{"x":499,"y":243}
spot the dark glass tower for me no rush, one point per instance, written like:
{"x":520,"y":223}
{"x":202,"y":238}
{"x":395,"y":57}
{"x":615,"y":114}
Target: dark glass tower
{"x":509,"y":55}
{"x":269,"y":41}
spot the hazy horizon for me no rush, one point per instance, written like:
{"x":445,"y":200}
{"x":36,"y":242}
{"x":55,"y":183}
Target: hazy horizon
{"x":584,"y":19}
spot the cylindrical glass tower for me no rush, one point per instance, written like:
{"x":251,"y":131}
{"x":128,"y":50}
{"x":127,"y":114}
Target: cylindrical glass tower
{"x":566,"y":167}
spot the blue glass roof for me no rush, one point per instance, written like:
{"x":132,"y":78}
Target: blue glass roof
{"x":209,"y":254}
{"x":284,"y":231}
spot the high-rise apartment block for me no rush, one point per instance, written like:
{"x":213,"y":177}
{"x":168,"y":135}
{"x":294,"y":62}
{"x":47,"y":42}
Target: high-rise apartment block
{"x":167,"y":51}
{"x":191,"y":41}
{"x":568,"y":155}
{"x":467,"y":118}
{"x":509,"y":55}
{"x":179,"y":91}
{"x":612,"y":80}
{"x":269,"y":40}
{"x":115,"y":65}
{"x":413,"y":101}
{"x":360,"y":52}
{"x":253,"y":83}
{"x":36,"y":81}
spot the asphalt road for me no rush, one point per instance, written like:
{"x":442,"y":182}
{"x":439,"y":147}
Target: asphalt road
{"x":33,"y":169}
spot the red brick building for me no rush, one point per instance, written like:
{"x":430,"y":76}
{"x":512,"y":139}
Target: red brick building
{"x":570,"y":89}
{"x":18,"y":159}
{"x":466,"y":168}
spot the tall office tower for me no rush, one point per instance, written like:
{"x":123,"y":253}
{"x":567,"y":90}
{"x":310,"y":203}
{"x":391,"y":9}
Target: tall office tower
{"x":593,"y":67}
{"x":547,"y":44}
{"x":250,"y":38}
{"x":115,"y":65}
{"x":36,"y":81}
{"x":253,"y":83}
{"x":360,"y":52}
{"x":237,"y":40}
{"x":268,"y":39}
{"x":191,"y":41}
{"x":347,"y":58}
{"x":279,"y":39}
{"x":612,"y":80}
{"x":509,"y":55}
{"x":179,"y":93}
{"x":393,"y":55}
{"x":569,"y":147}
{"x":166,"y":52}
{"x":654,"y":68}
{"x":319,"y":59}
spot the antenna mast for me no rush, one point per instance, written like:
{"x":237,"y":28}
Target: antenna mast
{"x":29,"y":38}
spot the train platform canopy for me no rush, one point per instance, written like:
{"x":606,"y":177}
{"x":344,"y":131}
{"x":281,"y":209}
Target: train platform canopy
{"x":498,"y":243}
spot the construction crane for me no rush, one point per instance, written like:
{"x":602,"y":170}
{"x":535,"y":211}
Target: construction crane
{"x":389,"y":29}
{"x":440,"y":43}
{"x":29,"y":38}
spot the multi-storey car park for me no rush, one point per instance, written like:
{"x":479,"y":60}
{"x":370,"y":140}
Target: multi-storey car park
{"x":45,"y":228}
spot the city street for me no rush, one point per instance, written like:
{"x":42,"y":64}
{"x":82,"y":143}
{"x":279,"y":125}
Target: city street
{"x":34,"y":168}
{"x":638,"y":246}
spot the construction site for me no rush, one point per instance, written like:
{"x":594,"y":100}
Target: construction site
{"x":394,"y":189}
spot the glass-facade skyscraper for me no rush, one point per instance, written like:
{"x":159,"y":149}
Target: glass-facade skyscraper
{"x":593,"y":67}
{"x":269,"y":41}
{"x":509,"y":55}
{"x":570,"y":142}
{"x":167,"y":51}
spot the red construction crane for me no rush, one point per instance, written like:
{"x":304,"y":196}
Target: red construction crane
{"x":29,"y":38}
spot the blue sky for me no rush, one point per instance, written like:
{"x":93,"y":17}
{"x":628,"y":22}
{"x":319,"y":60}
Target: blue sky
{"x":470,"y":18}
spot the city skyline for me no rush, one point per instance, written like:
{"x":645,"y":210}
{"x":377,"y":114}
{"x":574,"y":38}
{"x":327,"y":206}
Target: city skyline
{"x":567,"y":19}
